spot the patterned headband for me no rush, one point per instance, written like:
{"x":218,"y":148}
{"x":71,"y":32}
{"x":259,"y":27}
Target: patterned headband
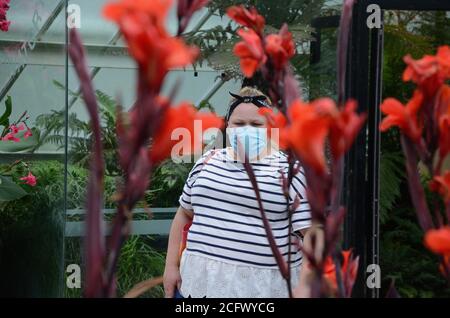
{"x":258,"y":100}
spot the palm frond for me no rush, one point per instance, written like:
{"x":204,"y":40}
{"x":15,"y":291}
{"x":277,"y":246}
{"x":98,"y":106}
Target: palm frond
{"x":392,"y":173}
{"x":107,"y":104}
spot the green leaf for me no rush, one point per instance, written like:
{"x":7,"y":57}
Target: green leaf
{"x":107,"y":103}
{"x":392,"y":173}
{"x":23,"y":144}
{"x":4,"y":119}
{"x":62,"y":87}
{"x":9,"y":190}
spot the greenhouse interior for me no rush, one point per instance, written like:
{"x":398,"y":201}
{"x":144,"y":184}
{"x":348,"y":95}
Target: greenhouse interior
{"x":94,"y":201}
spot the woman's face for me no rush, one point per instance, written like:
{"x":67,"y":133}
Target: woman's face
{"x":246,"y":114}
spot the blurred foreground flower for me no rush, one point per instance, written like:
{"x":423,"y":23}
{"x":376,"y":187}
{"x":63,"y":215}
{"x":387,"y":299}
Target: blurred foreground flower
{"x":303,"y":129}
{"x":144,"y":133}
{"x":348,"y":270}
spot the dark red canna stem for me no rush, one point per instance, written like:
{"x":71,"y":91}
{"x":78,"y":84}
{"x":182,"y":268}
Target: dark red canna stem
{"x":342,"y":47}
{"x":273,"y":245}
{"x":415,"y":187}
{"x":94,"y":241}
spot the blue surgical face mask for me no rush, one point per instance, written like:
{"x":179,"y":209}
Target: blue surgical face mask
{"x":252,"y":140}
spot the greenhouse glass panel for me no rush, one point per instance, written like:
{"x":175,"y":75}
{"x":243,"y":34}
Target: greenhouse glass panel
{"x":33,"y":59}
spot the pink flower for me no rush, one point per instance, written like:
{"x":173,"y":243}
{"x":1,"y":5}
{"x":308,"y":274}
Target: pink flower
{"x":4,"y":24}
{"x":11,"y":137}
{"x":15,"y":129}
{"x":4,"y":4}
{"x":28,"y":133}
{"x":29,"y":179}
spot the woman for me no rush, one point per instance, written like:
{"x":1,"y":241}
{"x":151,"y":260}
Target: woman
{"x":227,"y":253}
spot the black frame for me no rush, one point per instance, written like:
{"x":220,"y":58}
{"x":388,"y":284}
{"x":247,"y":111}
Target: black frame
{"x":363,"y":83}
{"x":318,"y":24}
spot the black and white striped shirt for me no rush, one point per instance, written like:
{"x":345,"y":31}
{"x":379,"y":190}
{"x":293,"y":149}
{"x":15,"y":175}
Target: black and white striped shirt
{"x":227,"y":224}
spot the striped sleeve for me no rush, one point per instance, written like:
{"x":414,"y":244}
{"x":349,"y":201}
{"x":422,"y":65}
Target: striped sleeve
{"x":185,"y":197}
{"x":301,"y":219}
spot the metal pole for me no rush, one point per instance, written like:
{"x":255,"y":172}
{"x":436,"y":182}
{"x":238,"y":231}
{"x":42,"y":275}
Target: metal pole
{"x":358,"y":221}
{"x":374,"y":139}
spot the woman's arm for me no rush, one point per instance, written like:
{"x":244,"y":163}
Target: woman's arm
{"x":303,"y":289}
{"x":172,"y":278}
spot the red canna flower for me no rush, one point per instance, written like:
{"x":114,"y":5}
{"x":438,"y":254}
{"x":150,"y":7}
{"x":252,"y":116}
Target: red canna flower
{"x":442,"y":117}
{"x":29,"y":179}
{"x":438,"y":240}
{"x":247,"y":17}
{"x":162,"y":55}
{"x":154,"y":12}
{"x":329,"y":272}
{"x":405,"y":117}
{"x":280,"y":47}
{"x":142,"y":24}
{"x":182,"y":116}
{"x":430,"y":71}
{"x":441,"y":184}
{"x":344,"y":129}
{"x":276,"y":123}
{"x":349,"y":270}
{"x":442,"y":102}
{"x":250,"y":51}
{"x":310,"y":124}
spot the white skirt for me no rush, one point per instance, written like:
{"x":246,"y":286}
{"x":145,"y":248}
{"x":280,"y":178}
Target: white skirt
{"x":205,"y":277}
